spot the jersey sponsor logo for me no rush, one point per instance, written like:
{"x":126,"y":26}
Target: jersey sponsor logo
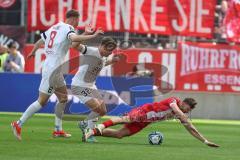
{"x":48,"y":51}
{"x":57,"y":27}
{"x":158,"y":115}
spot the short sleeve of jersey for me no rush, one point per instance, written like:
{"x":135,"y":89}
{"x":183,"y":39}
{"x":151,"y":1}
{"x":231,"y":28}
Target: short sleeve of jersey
{"x":84,"y":49}
{"x":69,"y":30}
{"x":44,"y":35}
{"x":172,"y":100}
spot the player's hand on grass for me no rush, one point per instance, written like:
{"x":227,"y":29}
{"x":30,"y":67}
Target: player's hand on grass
{"x":89,"y":29}
{"x":211,"y":144}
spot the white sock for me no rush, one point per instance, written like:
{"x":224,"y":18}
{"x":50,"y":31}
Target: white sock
{"x":92,"y":115}
{"x":101,"y":126}
{"x":33,"y":108}
{"x":59,"y":110}
{"x":92,"y":123}
{"x":92,"y":119}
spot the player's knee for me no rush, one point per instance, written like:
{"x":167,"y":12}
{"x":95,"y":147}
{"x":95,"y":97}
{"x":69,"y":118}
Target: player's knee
{"x":63,"y":99}
{"x":102,"y":111}
{"x":42,"y":102}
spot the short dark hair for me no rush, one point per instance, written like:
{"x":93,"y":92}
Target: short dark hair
{"x":11,"y":44}
{"x":109,"y":41}
{"x":191,"y":102}
{"x":72,"y":13}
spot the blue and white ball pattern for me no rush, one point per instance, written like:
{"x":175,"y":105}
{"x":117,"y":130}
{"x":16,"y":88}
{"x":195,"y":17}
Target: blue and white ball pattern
{"x":155,"y":138}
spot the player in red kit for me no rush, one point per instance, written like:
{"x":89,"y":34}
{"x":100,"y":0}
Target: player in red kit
{"x":142,"y":116}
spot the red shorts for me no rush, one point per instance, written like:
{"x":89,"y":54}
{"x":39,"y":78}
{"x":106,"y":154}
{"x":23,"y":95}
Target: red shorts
{"x":137,"y":115}
{"x":138,"y":121}
{"x":135,"y":127}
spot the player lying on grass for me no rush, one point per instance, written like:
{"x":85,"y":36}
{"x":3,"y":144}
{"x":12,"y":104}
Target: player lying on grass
{"x":142,"y":116}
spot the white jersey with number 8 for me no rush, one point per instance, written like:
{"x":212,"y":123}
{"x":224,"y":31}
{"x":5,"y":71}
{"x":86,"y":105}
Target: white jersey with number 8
{"x":57,"y":43}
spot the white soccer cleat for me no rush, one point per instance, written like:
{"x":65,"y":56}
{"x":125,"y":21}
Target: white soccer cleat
{"x":83,"y":126}
{"x":90,"y":133}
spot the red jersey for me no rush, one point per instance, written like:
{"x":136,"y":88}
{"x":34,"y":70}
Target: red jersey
{"x":154,"y":111}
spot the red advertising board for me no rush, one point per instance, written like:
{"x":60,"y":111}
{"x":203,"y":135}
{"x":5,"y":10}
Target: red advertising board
{"x":168,"y":17}
{"x":231,"y":21}
{"x":208,"y":67}
{"x":198,"y":67}
{"x":162,"y":63}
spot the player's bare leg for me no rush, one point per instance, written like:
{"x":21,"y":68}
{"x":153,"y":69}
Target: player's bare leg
{"x":96,"y":106}
{"x":103,"y":130}
{"x":43,"y":98}
{"x":61,"y":94}
{"x":114,"y":121}
{"x":31,"y":110}
{"x":98,"y":109}
{"x":116,"y":133}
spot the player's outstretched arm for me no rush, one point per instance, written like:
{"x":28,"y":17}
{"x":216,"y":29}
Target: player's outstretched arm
{"x":79,"y":38}
{"x":189,"y":126}
{"x":193,"y":131}
{"x":37,"y":45}
{"x":88,"y":31}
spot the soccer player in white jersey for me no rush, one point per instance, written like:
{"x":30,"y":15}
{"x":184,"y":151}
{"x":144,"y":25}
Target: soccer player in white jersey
{"x":92,"y":61}
{"x":57,"y":40}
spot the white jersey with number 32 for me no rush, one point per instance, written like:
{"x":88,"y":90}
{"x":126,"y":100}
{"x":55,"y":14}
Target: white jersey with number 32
{"x":57,"y":43}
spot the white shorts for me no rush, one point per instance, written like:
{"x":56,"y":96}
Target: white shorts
{"x":50,"y":82}
{"x":86,"y":93}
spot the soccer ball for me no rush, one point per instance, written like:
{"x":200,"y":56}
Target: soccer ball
{"x":155,"y":138}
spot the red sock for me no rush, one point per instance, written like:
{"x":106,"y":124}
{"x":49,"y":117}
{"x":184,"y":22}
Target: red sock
{"x":108,"y":123}
{"x":95,"y":132}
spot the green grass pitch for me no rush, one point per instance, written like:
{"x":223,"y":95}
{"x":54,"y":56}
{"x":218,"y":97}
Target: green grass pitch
{"x":178,"y":144}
